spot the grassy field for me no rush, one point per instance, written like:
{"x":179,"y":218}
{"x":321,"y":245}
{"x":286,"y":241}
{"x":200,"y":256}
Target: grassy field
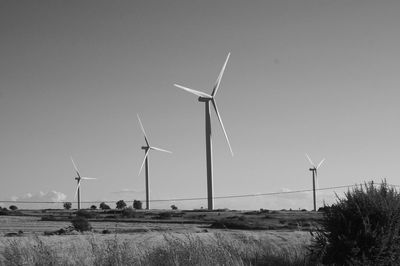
{"x":160,"y":238}
{"x":35,"y":221}
{"x":154,"y":248}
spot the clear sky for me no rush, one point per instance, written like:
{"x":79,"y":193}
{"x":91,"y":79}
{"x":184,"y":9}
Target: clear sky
{"x":313,"y":76}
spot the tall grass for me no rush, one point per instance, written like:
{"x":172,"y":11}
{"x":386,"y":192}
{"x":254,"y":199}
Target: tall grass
{"x":170,"y":249}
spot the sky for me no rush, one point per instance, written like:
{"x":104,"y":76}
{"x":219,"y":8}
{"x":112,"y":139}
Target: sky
{"x":304,"y":76}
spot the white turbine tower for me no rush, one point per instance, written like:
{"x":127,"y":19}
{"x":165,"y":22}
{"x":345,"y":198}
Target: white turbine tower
{"x":147,"y":149}
{"x":314,"y":170}
{"x":79,"y":178}
{"x":207,"y":98}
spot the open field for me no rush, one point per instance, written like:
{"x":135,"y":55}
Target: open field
{"x":34,"y":221}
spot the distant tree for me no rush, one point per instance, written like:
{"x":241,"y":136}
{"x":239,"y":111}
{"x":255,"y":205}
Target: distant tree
{"x":93,"y":207}
{"x":174,"y":207}
{"x":104,"y":206}
{"x":121,"y":204}
{"x":81,"y":224}
{"x":67,"y":205}
{"x":137,"y":204}
{"x":13,"y":208}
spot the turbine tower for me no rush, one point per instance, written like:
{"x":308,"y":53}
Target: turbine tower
{"x":78,"y":178}
{"x":314,"y":170}
{"x":147,"y":149}
{"x":207,"y":99}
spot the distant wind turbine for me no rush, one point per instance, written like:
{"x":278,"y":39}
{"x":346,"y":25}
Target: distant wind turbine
{"x":207,"y":98}
{"x":147,"y":149}
{"x":314,"y":170}
{"x":78,"y":178}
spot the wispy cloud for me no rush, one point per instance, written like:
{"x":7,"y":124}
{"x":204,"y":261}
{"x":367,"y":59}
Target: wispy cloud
{"x":128,"y":191}
{"x":50,"y":196}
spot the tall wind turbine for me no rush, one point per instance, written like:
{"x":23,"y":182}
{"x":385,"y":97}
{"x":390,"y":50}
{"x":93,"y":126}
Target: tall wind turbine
{"x":314,"y":170}
{"x":207,"y":98}
{"x":147,"y":149}
{"x":78,"y":178}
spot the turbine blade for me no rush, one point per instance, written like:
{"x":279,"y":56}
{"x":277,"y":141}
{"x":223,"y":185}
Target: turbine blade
{"x":158,"y":149}
{"x":88,"y":178}
{"x":198,"y":93}
{"x":144,"y":132}
{"x":144,"y":159}
{"x":222,"y":125}
{"x":309,"y":159}
{"x":77,"y":188}
{"x":76,"y":168}
{"x":320,"y":163}
{"x":216,"y":86}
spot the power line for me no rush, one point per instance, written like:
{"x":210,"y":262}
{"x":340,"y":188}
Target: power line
{"x":204,"y":198}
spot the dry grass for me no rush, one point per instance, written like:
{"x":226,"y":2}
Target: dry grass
{"x":218,"y":248}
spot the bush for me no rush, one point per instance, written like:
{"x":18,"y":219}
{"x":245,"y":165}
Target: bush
{"x":81,"y":224}
{"x":4,"y":211}
{"x":174,"y":207}
{"x":164,"y":215}
{"x":361,"y":229}
{"x":104,"y":206}
{"x":128,"y":213}
{"x":137,"y":204}
{"x":67,"y":205}
{"x":85,"y":214}
{"x":13,"y":208}
{"x":93,"y":207}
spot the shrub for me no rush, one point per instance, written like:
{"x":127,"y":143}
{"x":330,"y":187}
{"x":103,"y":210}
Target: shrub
{"x":67,"y":205}
{"x":121,"y":204}
{"x":104,"y":206}
{"x":137,"y":204}
{"x":48,"y":218}
{"x":85,"y":214}
{"x":164,"y":215}
{"x":174,"y":207}
{"x":93,"y":207}
{"x":13,"y":208}
{"x":129,"y":213}
{"x":361,"y":229}
{"x":81,"y":224}
{"x":4,"y":211}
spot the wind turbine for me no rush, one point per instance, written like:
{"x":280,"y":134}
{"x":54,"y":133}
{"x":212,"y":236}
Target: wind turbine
{"x":207,"y":98}
{"x":314,"y":170}
{"x":78,"y":178}
{"x":147,"y":149}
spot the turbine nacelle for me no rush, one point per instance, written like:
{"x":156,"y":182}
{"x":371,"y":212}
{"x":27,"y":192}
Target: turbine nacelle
{"x":204,"y":99}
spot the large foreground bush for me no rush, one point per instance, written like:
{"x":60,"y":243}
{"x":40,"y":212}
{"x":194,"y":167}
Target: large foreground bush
{"x":362,"y":228}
